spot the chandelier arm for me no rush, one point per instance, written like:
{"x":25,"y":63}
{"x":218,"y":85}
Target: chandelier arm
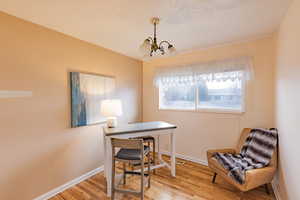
{"x":150,"y":38}
{"x":164,"y":41}
{"x":151,"y":53}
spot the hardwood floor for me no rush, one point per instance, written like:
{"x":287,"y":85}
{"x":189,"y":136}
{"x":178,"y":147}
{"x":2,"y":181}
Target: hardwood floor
{"x":193,"y":182}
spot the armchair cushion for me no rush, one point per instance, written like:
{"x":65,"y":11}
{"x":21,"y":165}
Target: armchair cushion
{"x":213,"y":163}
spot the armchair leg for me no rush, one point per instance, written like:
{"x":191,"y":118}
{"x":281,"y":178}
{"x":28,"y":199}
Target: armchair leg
{"x":267,"y":189}
{"x":214,"y":178}
{"x":241,"y":195}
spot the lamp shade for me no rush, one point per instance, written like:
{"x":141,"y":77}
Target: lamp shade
{"x":111,"y":108}
{"x":145,"y":48}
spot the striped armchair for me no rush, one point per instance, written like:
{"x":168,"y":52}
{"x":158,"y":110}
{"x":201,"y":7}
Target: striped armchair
{"x":254,"y":178}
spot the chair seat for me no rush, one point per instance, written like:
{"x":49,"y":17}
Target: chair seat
{"x":215,"y":164}
{"x":131,"y":154}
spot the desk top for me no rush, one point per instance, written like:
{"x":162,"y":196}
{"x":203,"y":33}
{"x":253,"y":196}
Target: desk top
{"x":138,"y":127}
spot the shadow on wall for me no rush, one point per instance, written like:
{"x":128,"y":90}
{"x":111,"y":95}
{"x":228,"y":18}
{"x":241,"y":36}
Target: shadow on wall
{"x":282,"y":187}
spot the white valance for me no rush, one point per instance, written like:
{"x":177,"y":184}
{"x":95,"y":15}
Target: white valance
{"x":238,"y":68}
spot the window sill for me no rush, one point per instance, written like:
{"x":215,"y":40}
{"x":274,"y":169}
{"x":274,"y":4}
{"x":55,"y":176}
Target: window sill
{"x":203,"y":110}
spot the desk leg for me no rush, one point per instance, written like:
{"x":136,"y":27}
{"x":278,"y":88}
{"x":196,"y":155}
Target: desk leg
{"x":105,"y":156}
{"x":173,"y":157}
{"x":108,"y":164}
{"x":158,"y":149}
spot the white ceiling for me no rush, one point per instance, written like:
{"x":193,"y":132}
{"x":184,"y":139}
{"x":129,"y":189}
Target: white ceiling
{"x":122,"y":25}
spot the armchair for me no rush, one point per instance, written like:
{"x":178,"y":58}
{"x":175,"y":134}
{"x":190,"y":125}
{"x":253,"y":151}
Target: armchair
{"x":254,"y":178}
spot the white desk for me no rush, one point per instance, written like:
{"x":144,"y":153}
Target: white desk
{"x":137,"y":130}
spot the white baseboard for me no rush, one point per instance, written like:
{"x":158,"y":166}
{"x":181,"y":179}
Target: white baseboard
{"x":75,"y":181}
{"x":188,"y":158}
{"x":276,"y":191}
{"x":69,"y":184}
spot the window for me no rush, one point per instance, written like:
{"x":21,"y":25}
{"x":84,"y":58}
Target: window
{"x":205,"y":94}
{"x":221,"y":94}
{"x":216,"y":86}
{"x":177,"y":97}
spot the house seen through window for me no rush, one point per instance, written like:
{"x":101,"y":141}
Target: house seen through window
{"x":219,"y":91}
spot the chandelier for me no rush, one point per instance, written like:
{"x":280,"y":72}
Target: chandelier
{"x":150,"y":45}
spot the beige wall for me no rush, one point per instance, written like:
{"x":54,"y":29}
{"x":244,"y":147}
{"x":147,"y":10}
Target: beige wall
{"x":38,"y":149}
{"x":198,"y":131}
{"x":287,"y":102}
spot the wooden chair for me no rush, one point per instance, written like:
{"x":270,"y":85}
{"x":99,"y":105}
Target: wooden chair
{"x":148,"y":140}
{"x":253,"y":178}
{"x":131,"y":151}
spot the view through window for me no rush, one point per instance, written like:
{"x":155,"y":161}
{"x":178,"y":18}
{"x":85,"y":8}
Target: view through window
{"x":206,"y":93}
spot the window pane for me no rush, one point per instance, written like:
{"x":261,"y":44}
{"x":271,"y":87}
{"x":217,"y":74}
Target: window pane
{"x":220,"y":94}
{"x":177,"y":97}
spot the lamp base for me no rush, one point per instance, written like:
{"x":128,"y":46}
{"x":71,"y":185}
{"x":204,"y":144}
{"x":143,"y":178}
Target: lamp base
{"x":112,"y":122}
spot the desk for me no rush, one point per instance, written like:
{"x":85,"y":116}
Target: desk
{"x":137,"y":130}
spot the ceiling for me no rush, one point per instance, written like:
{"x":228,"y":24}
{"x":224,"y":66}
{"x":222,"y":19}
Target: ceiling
{"x":122,"y":25}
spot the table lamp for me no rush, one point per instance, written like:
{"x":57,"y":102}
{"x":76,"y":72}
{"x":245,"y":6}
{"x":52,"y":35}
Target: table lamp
{"x":111,"y":108}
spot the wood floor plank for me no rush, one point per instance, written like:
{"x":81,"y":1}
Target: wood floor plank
{"x":57,"y":197}
{"x":192,"y":182}
{"x":66,"y":195}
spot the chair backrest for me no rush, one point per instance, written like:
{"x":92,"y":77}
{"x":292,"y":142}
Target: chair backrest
{"x":243,"y":137}
{"x":127,"y":143}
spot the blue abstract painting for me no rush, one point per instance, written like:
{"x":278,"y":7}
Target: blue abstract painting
{"x":87,"y":92}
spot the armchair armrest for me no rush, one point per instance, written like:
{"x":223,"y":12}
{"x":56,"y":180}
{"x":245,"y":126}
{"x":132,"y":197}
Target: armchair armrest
{"x":211,"y":152}
{"x":257,"y":177}
{"x":266,"y":172}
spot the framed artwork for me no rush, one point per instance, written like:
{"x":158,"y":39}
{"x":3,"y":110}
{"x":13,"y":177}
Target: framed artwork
{"x":87,"y":92}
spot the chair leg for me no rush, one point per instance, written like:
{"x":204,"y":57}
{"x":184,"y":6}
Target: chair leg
{"x":214,"y":178}
{"x":267,"y":189}
{"x":142,"y":179}
{"x":149,"y":168}
{"x":113,"y":179}
{"x":153,"y":155}
{"x":124,"y":174}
